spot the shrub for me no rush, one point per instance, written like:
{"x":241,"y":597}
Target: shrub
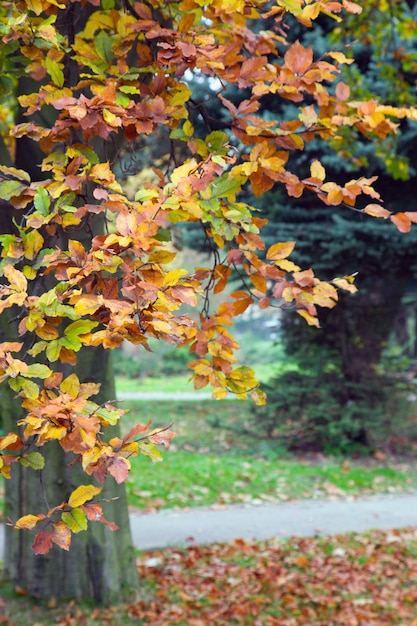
{"x":322,"y":412}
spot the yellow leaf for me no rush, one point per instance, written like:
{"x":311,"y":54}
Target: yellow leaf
{"x":317,"y":170}
{"x":82,"y":494}
{"x":219,"y":393}
{"x":7,"y":440}
{"x":310,"y":319}
{"x":71,"y":386}
{"x":287,"y":266}
{"x":33,"y":244}
{"x":16,"y":279}
{"x":111,"y":118}
{"x":27,"y":522}
{"x":173,"y":276}
{"x":280,"y":251}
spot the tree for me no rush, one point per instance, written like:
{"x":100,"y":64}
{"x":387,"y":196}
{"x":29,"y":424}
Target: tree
{"x":352,"y":339}
{"x":85,"y":267}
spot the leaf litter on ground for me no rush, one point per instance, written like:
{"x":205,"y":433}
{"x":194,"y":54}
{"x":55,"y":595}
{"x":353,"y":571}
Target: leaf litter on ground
{"x":352,"y":579}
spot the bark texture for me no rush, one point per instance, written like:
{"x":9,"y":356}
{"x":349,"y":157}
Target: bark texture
{"x":100,"y":565}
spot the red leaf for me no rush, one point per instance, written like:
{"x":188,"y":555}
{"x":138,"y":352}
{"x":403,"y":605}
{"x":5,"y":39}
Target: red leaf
{"x":119,"y":469}
{"x":42,"y":543}
{"x":136,"y":430}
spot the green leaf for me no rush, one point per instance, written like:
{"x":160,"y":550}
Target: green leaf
{"x":29,"y":388}
{"x":163,"y":234}
{"x":10,"y":188}
{"x":122,"y":99}
{"x":54,"y":70}
{"x":223,"y":187}
{"x":103,"y":45}
{"x":150,"y":450}
{"x":37,"y":370}
{"x":80,"y":327}
{"x":42,"y":201}
{"x":76,"y":520}
{"x":110,"y":416}
{"x":53,"y":350}
{"x":34,"y":460}
{"x":216,"y":140}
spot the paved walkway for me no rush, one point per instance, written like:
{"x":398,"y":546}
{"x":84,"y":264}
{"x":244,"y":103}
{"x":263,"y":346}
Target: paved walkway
{"x":180,"y":396}
{"x":301,"y":517}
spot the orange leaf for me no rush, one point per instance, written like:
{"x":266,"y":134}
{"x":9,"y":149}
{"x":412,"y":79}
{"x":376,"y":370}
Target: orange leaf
{"x":305,"y":278}
{"x":61,"y":535}
{"x":259,"y":282}
{"x":342,"y":91}
{"x":298,"y":59}
{"x":93,"y":511}
{"x":412,"y":216}
{"x":402,"y":222}
{"x":264,"y":303}
{"x":376,"y":210}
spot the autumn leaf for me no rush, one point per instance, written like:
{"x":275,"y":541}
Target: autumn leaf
{"x":401,"y":221}
{"x":75,"y":520}
{"x":61,"y":535}
{"x":376,"y":210}
{"x":42,"y":543}
{"x":27,"y":522}
{"x":82,"y":494}
{"x":119,"y":468}
{"x":280,"y":251}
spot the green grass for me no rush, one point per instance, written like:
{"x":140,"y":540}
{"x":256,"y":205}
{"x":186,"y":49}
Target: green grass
{"x":207,"y":466}
{"x":178,"y":383}
{"x":171,"y":384}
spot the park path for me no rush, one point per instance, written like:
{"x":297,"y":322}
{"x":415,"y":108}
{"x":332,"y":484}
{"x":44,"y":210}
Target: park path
{"x":305,"y":518}
{"x":301,"y":518}
{"x":180,"y":396}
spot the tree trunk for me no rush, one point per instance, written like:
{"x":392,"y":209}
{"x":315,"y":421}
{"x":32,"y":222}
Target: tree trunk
{"x":100,"y":564}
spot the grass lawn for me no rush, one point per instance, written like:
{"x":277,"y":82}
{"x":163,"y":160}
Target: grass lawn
{"x":210,"y":465}
{"x":352,"y":579}
{"x":178,"y":383}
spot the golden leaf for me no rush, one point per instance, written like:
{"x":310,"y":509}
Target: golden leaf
{"x":82,"y":494}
